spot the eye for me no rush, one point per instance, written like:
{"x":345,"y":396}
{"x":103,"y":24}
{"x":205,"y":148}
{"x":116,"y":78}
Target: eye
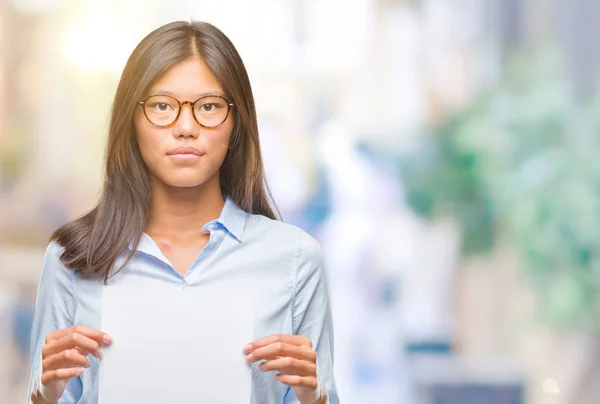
{"x":208,"y":107}
{"x":161,"y":107}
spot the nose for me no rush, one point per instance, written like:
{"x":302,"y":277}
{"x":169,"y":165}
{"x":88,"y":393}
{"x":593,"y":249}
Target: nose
{"x":186,"y":125}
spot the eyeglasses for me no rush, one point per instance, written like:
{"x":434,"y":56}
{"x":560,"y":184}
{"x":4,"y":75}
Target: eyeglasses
{"x":163,"y":111}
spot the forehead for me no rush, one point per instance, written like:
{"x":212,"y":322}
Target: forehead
{"x":188,"y":80}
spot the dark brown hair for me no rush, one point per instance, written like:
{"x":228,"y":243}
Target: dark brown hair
{"x":94,"y":241}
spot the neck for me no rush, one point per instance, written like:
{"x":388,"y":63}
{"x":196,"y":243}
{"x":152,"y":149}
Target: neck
{"x":183,"y":211}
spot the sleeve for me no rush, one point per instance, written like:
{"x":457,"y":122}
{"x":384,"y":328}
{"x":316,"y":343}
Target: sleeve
{"x":311,"y":312}
{"x":54,"y":310}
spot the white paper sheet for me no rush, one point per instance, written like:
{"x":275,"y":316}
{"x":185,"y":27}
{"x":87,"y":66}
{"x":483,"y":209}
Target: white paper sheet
{"x":174,"y":345}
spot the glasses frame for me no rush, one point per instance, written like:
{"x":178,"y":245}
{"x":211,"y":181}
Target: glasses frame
{"x":192,"y":104}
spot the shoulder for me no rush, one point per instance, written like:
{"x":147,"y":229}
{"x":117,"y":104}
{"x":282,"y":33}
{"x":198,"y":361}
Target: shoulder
{"x":284,"y":235}
{"x":310,"y":252}
{"x":263,"y":229}
{"x":52,"y":256}
{"x":53,"y":270}
{"x":53,"y":251}
{"x":262,"y":223}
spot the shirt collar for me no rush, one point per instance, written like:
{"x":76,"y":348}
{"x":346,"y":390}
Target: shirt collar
{"x":232,"y":218}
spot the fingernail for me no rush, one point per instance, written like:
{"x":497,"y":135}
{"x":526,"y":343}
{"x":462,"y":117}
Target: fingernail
{"x":87,"y":365}
{"x":250,"y":358}
{"x":248,"y":348}
{"x":107,"y":338}
{"x":80,"y":371}
{"x":261,"y":367}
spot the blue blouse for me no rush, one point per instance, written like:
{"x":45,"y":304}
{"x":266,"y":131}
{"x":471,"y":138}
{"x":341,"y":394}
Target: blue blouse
{"x":242,"y":247}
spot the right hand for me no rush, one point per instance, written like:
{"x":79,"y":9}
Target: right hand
{"x":64,"y":356}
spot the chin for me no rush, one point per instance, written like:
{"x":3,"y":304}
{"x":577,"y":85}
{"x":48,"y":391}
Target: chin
{"x":185,"y":183}
{"x":185,"y":180}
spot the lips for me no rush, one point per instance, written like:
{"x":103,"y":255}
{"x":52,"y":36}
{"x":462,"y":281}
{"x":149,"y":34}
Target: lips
{"x":185,"y":150}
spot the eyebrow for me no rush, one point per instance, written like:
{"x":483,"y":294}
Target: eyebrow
{"x":158,"y":91}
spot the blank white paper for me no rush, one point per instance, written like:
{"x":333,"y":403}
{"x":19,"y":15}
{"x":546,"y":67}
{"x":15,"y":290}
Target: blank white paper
{"x":173,"y":345}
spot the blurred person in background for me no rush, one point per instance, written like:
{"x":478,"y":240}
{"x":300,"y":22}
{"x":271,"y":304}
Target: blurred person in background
{"x":182,"y":184}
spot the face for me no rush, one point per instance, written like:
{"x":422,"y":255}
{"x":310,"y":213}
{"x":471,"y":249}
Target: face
{"x":184,"y":154}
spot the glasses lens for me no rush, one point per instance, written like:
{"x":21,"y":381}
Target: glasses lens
{"x":211,"y":111}
{"x":161,"y":110}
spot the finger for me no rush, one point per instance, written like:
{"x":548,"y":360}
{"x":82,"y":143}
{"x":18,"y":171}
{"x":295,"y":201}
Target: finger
{"x":60,"y":374}
{"x":84,"y":345}
{"x":297,"y":340}
{"x":68,"y":358}
{"x":290,"y":366}
{"x":299,"y":381}
{"x":99,"y":336}
{"x":282,"y":349}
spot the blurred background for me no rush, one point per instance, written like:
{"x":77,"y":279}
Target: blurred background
{"x":442,"y":151}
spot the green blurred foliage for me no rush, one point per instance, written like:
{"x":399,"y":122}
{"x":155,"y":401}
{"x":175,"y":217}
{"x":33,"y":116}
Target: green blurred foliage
{"x":523,"y":164}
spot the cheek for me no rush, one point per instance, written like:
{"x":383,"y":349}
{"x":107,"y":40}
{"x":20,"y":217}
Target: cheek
{"x":147,"y":141}
{"x":219,"y":142}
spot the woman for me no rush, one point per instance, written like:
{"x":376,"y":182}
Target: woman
{"x":184,"y":184}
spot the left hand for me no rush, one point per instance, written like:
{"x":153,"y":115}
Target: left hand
{"x":295,"y":360}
